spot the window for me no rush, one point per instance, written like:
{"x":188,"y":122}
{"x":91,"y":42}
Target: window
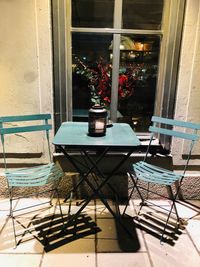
{"x":131,"y":94}
{"x":122,"y":53}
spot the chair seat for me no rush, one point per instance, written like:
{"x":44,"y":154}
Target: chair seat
{"x":154,"y":174}
{"x":34,"y":176}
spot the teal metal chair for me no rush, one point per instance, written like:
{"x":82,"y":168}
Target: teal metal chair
{"x":145,"y":174}
{"x":42,"y":179}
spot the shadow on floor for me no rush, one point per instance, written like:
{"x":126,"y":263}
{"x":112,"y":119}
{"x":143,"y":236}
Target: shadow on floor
{"x":153,"y":222}
{"x":127,"y":236}
{"x":53,"y":232}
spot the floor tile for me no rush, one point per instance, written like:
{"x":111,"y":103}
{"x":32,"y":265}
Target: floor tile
{"x":135,"y":202}
{"x":4,"y":212}
{"x":182,"y":254}
{"x":186,"y":211}
{"x":113,"y":238}
{"x":107,"y":239}
{"x":193,"y":229}
{"x":102,"y":211}
{"x":84,"y":245}
{"x":110,"y":246}
{"x":76,"y":205}
{"x":4,"y":204}
{"x":69,"y":260}
{"x":108,"y":228}
{"x":123,"y":260}
{"x":130,"y":209}
{"x":7,"y":244}
{"x":3,"y":219}
{"x":10,"y":260}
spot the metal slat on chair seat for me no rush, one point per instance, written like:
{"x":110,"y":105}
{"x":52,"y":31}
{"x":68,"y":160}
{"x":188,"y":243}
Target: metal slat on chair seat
{"x":24,"y":171}
{"x":35,"y":176}
{"x":154,"y":174}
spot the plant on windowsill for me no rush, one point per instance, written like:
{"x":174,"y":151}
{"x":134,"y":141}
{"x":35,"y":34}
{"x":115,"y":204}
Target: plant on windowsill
{"x":98,"y":76}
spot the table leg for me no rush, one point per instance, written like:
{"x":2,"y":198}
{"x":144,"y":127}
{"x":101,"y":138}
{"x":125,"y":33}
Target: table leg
{"x":105,"y":181}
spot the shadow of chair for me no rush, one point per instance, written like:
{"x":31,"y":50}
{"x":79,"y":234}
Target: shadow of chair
{"x":56,"y":236}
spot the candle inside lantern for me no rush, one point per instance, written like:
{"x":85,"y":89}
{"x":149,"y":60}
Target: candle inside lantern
{"x":99,"y":125}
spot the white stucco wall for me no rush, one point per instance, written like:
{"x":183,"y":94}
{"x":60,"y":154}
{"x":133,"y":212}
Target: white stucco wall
{"x":25,"y":62}
{"x":188,"y":88}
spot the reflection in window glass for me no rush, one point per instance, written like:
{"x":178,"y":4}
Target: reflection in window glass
{"x":92,"y":76}
{"x":137,"y":79}
{"x":145,"y":14}
{"x":91,"y":70}
{"x":92,"y":13}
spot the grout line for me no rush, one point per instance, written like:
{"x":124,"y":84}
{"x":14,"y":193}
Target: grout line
{"x":41,"y":260}
{"x":190,"y":237}
{"x":147,"y":248}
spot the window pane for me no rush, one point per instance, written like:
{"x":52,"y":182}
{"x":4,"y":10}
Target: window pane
{"x":142,"y":14}
{"x":92,"y":13}
{"x":91,"y":71}
{"x":137,"y":79}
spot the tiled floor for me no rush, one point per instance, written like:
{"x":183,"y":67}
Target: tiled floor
{"x":101,"y":242}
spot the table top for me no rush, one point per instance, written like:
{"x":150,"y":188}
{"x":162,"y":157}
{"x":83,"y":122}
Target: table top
{"x":76,"y":134}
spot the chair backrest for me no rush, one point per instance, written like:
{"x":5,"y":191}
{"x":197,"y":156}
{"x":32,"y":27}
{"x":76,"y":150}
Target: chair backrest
{"x":166,"y":127}
{"x":7,"y":128}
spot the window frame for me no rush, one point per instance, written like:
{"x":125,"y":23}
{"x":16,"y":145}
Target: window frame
{"x":170,"y":34}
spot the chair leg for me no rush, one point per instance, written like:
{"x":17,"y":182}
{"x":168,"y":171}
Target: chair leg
{"x":55,"y":190}
{"x":50,"y":201}
{"x":148,"y":191}
{"x":70,"y":202}
{"x":141,"y":197}
{"x":135,"y":186}
{"x":181,"y":221}
{"x":14,"y":230}
{"x":12,"y":216}
{"x":58,"y":200}
{"x":166,"y":223}
{"x":129,"y":198}
{"x":173,"y":205}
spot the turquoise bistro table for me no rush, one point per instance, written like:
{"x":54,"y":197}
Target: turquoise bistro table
{"x":73,"y":136}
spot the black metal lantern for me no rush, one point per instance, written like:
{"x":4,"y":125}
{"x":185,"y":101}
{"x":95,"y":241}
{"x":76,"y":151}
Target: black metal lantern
{"x":97,"y":119}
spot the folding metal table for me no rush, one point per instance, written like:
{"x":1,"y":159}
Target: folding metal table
{"x":73,"y":136}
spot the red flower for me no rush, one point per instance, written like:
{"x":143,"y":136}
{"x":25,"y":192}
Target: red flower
{"x":99,"y":81}
{"x":122,"y":79}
